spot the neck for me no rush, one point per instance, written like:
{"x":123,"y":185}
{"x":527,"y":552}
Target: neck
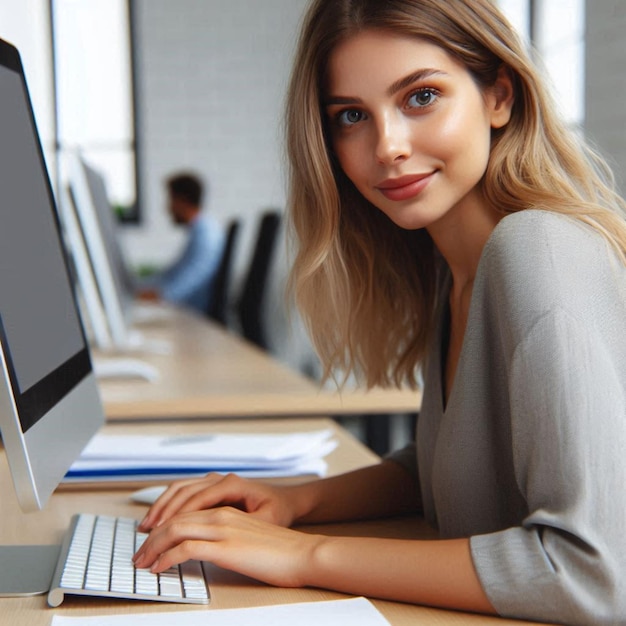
{"x":460,"y":236}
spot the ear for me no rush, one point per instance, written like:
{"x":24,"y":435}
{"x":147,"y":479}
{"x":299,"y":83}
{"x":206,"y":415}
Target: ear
{"x":500,"y":98}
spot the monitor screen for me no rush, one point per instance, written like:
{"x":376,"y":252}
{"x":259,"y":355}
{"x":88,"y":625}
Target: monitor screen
{"x":115,"y":284}
{"x":87,"y":285}
{"x":122,"y":277}
{"x":95,"y":219}
{"x":49,"y":403}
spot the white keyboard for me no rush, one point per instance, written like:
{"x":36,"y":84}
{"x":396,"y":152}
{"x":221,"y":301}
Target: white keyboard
{"x":96,"y":560}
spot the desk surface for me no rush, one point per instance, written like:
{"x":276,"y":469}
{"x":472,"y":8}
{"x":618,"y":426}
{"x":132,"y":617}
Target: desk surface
{"x":210,"y":372}
{"x":228,"y":589}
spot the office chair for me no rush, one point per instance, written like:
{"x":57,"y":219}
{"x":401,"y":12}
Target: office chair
{"x":252,"y":296}
{"x":218,"y":306}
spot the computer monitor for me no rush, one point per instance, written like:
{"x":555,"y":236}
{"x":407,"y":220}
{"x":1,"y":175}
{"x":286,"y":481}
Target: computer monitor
{"x":115,"y":282}
{"x":95,"y":217}
{"x":90,"y":302}
{"x":49,"y":401}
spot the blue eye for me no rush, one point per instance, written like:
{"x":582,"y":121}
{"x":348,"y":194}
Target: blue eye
{"x":422,"y":98}
{"x":349,"y":117}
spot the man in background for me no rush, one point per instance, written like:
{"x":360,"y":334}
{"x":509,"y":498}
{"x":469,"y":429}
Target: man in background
{"x":188,"y":281}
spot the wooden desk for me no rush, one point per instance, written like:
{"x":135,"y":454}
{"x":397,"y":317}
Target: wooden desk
{"x":213,"y":373}
{"x":227,"y":589}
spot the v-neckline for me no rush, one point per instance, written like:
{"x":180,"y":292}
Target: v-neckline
{"x":444,"y":345}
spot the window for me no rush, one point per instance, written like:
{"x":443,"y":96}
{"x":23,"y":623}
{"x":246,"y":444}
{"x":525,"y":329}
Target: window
{"x":93,"y":72}
{"x":518,"y":13}
{"x":559,"y":35}
{"x":556,"y":29}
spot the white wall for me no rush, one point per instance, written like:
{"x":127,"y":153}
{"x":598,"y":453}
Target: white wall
{"x":210,"y":88}
{"x":605,"y":89}
{"x":210,"y":83}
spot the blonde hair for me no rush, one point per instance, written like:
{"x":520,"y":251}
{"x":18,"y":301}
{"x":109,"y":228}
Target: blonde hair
{"x":367,"y":289}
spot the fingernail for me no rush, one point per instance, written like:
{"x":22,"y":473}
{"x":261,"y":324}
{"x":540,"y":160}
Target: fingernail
{"x":155,"y":566}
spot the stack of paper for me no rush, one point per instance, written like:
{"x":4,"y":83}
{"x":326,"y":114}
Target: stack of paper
{"x":150,"y":458}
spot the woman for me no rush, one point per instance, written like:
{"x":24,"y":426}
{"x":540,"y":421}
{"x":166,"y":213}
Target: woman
{"x":445,"y":218}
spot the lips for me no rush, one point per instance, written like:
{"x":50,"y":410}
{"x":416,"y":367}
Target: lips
{"x":404,"y":187}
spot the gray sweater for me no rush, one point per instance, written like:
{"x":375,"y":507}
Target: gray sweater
{"x":528,"y":458}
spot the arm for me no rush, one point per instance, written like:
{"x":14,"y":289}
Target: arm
{"x":566,"y":561}
{"x":437,"y":573}
{"x":150,"y":295}
{"x":384,"y":489}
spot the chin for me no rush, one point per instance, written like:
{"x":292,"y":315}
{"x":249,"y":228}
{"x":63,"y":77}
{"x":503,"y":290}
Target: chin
{"x":415,"y":218}
{"x":410,"y":222}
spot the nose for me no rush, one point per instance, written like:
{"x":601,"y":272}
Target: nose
{"x":393,"y":141}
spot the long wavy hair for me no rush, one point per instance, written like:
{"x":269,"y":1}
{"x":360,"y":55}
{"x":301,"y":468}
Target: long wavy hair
{"x":367,"y":289}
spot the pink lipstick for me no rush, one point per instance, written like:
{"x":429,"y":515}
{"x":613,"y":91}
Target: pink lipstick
{"x":404,"y":187}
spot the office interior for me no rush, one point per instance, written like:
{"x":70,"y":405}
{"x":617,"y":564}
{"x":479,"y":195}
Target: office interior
{"x":147,"y":87}
{"x":204,"y":82}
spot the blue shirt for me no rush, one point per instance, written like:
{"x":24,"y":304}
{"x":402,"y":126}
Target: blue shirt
{"x":188,"y":281}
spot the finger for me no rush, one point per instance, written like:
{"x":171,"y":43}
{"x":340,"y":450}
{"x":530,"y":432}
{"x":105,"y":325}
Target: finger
{"x":198,"y":549}
{"x":193,"y":497}
{"x":204,"y":526}
{"x":231,"y":490}
{"x":216,"y":490}
{"x":233,"y":540}
{"x":156,"y":507}
{"x":173,"y":498}
{"x":170,"y":499}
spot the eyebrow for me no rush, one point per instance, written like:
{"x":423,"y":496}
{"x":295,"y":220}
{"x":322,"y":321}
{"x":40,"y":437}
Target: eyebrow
{"x":394,"y":88}
{"x":414,"y":77}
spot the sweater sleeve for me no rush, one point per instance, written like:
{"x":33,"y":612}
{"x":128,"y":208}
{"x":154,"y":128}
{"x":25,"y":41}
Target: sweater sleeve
{"x":564,"y":563}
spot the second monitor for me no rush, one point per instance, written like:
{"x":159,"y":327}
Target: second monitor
{"x":88,"y":201}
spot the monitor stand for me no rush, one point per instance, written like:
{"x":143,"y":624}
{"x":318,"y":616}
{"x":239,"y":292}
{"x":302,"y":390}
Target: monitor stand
{"x":27,"y":570}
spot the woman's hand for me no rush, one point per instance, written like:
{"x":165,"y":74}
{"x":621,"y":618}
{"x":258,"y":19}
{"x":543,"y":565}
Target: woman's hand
{"x":231,"y":539}
{"x":263,"y":501}
{"x":437,"y":573}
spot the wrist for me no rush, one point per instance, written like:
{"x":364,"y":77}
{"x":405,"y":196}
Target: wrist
{"x":316,"y":562}
{"x":303,"y":500}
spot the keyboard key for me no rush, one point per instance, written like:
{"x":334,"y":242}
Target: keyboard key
{"x":146,"y":582}
{"x":194,"y":584}
{"x":169,"y":583}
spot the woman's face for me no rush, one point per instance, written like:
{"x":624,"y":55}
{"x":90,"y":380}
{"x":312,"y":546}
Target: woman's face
{"x":410,"y":127}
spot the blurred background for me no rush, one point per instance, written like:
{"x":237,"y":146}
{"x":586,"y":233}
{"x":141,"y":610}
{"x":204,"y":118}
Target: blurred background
{"x":147,"y":87}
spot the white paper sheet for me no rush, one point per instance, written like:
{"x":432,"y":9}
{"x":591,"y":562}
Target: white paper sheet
{"x":147,"y":457}
{"x":231,"y":447}
{"x":330,"y":613}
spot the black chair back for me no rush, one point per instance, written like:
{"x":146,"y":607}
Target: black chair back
{"x":218,"y":306}
{"x":250,"y":305}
